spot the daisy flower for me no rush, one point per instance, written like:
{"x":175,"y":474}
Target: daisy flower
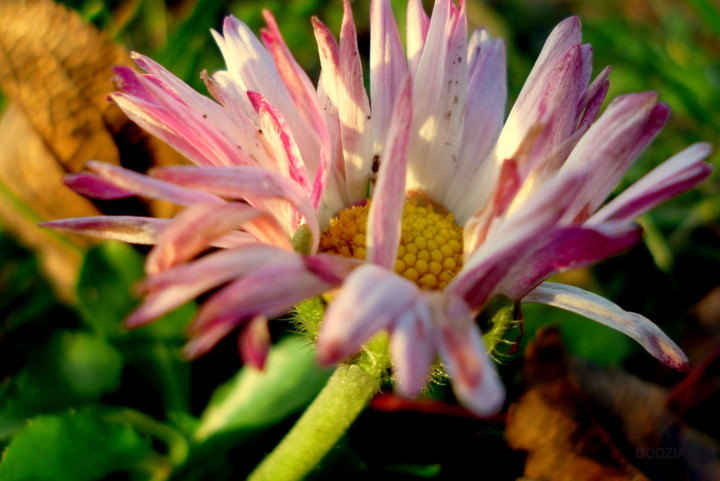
{"x":415,"y":205}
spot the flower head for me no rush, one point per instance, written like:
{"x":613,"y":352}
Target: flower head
{"x":416,"y":205}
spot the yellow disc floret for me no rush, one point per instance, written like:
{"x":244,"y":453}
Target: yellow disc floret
{"x":430,"y":250}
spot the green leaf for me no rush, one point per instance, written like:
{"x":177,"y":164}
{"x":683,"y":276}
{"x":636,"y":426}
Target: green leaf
{"x":418,"y":470}
{"x":71,"y":369}
{"x":76,"y":446}
{"x":104,"y":286}
{"x":254,"y":399}
{"x":583,"y":337}
{"x":88,"y":364}
{"x":108,"y":275}
{"x":27,"y":299}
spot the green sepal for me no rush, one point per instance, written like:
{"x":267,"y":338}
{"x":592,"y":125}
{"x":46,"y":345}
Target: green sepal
{"x":308,"y":315}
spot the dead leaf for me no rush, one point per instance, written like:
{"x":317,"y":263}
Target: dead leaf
{"x":29,"y":197}
{"x":707,"y":311}
{"x":550,"y":421}
{"x":582,"y":422}
{"x":56,"y":71}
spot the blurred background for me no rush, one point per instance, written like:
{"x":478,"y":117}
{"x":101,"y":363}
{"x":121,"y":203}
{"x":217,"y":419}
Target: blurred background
{"x":582,"y":398}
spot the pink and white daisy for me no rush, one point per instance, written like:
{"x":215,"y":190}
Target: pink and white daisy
{"x":416,"y":205}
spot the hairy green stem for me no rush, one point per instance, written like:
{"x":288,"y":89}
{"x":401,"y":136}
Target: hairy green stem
{"x":346,"y":394}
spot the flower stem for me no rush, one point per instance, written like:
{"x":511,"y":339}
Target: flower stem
{"x":346,"y":394}
{"x":344,"y":397}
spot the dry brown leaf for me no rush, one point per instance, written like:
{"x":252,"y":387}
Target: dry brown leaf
{"x":660,"y":443}
{"x":707,"y":311}
{"x":582,"y":422}
{"x":550,"y":421}
{"x":564,"y":441}
{"x":29,"y":197}
{"x":56,"y":71}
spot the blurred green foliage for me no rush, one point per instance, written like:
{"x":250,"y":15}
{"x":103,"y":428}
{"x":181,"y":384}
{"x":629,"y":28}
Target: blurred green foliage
{"x":73,"y":379}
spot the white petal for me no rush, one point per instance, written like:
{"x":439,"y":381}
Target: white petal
{"x":605,"y":312}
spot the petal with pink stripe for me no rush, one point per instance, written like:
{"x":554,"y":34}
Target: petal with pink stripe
{"x":371,"y":299}
{"x":245,"y":182}
{"x":475,"y":381}
{"x":200,"y":224}
{"x":388,"y":199}
{"x":681,"y":172}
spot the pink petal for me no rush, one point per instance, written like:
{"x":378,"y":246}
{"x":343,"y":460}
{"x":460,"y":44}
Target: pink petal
{"x":130,"y":82}
{"x":439,"y":92}
{"x":206,"y":340}
{"x":134,"y":230}
{"x":566,"y":34}
{"x":90,"y":185}
{"x":330,"y":268}
{"x":388,"y":67}
{"x":511,"y":238}
{"x":245,"y":182}
{"x":177,"y":285}
{"x":593,"y":99}
{"x":254,"y":342}
{"x":369,"y":301}
{"x":183,"y":92}
{"x":335,"y":195}
{"x":296,"y":80}
{"x":281,"y":140}
{"x":674,"y":176}
{"x":354,"y":110}
{"x":477,"y":227}
{"x":461,"y":347}
{"x":303,"y":94}
{"x":471,"y":184}
{"x":251,"y":68}
{"x":164,"y":126}
{"x":418,"y":24}
{"x":269,"y":291}
{"x":125,"y":228}
{"x":243,"y":124}
{"x":564,"y":249}
{"x":200,"y":224}
{"x":412,"y":349}
{"x":342,"y":82}
{"x":145,"y":186}
{"x":196,"y":126}
{"x":525,"y":112}
{"x":384,"y":219}
{"x":563,"y":94}
{"x":605,"y":312}
{"x":610,"y":146}
{"x":249,"y":63}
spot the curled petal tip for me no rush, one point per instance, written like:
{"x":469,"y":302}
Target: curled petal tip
{"x":487,"y":401}
{"x":135,"y":321}
{"x":684,"y":367}
{"x":670,"y":354}
{"x":190,"y":351}
{"x":254,"y":342}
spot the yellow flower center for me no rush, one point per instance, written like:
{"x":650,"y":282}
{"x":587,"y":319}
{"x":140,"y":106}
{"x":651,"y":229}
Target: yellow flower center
{"x":430,"y":251}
